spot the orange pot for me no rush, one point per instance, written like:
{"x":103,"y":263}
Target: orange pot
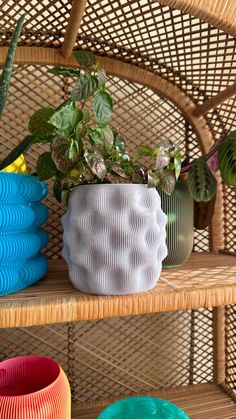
{"x":33,"y":387}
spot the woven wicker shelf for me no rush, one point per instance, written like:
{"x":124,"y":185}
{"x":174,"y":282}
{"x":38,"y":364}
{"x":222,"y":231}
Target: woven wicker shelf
{"x":202,"y":401}
{"x":206,"y":280}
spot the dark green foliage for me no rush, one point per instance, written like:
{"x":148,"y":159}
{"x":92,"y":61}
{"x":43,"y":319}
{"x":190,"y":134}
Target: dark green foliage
{"x":202,"y":183}
{"x":7,"y":69}
{"x":46,"y":168}
{"x":85,"y":87}
{"x":227,"y":160}
{"x":38,"y":123}
{"x":102,"y":107}
{"x":67,"y":72}
{"x":83,"y":147}
{"x":86,"y":59}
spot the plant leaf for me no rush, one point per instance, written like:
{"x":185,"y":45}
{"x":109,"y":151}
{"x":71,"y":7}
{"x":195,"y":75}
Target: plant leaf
{"x":62,"y":71}
{"x":7,"y":69}
{"x":66,"y":102}
{"x":73,"y":149}
{"x":138,"y":176}
{"x":177,"y":164}
{"x":141,"y":151}
{"x":80,"y":131}
{"x":85,"y":87}
{"x":227,"y":160}
{"x":66,"y":118}
{"x":167,"y":181}
{"x":86,"y":115}
{"x":212,"y":162}
{"x":96,"y":163}
{"x":102,"y":107}
{"x":38,"y":123}
{"x":203,"y":212}
{"x":47,"y":138}
{"x":116,"y":168}
{"x":101,"y":75}
{"x":202,"y":183}
{"x":45,"y":167}
{"x":65,"y":196}
{"x":61,"y":147}
{"x":57,"y":190}
{"x":119,"y":142}
{"x":96,"y":135}
{"x":86,"y":59}
{"x":108,"y":137}
{"x":162,"y":159}
{"x":153,"y":179}
{"x":17,"y":151}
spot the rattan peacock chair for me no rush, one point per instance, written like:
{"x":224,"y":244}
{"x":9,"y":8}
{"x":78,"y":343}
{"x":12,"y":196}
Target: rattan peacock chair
{"x":171,"y":71}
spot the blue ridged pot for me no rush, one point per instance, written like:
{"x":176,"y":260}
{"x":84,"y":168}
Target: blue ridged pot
{"x":21,"y":236}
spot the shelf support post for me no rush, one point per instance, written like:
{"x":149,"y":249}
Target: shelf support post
{"x":75,"y":19}
{"x":219,"y":344}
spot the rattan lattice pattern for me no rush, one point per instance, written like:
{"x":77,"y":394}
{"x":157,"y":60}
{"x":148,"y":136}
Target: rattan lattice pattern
{"x":123,"y":356}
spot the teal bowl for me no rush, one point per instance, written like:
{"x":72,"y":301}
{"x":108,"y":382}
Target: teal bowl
{"x":142,"y":408}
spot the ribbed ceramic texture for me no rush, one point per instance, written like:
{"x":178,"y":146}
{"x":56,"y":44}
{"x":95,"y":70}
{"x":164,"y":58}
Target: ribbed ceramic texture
{"x":33,"y":387}
{"x":21,"y":236}
{"x":179,"y":229}
{"x":142,"y":408}
{"x":114,"y":238}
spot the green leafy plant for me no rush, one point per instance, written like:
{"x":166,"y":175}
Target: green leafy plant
{"x":222,"y":157}
{"x":4,"y":87}
{"x":83,"y":148}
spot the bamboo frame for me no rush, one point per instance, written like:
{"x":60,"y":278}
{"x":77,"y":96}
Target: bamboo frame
{"x":216,"y":100}
{"x":218,"y":13}
{"x":216,"y":228}
{"x":75,"y":19}
{"x":219,"y":344}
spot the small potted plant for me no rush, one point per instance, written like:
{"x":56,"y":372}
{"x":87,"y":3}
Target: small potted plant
{"x":21,"y":215}
{"x":192,"y":201}
{"x":114,"y":228}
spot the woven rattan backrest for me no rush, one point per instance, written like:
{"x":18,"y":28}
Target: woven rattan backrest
{"x":190,"y":59}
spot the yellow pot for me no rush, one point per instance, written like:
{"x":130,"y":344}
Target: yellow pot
{"x":18,"y":166}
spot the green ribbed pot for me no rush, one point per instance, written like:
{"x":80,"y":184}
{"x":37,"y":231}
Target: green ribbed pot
{"x":179,"y":209}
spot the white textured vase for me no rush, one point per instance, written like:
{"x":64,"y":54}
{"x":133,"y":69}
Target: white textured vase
{"x":114,"y":238}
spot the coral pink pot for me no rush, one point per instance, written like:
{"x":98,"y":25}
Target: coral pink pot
{"x":33,"y":387}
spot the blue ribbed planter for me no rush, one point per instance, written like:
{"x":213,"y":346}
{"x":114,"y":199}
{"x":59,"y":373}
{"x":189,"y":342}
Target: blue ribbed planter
{"x":21,"y":238}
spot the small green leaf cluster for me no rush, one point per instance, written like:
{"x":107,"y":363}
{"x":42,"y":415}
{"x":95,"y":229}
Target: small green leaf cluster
{"x":222,"y":157}
{"x":83,"y":148}
{"x":164,"y":165}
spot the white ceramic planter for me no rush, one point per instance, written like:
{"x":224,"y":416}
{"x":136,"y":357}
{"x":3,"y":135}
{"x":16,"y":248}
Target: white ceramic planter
{"x":114,"y":238}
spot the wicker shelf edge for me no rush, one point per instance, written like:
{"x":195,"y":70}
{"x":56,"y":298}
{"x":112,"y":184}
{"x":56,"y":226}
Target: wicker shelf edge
{"x":201,"y":401}
{"x":206,"y":280}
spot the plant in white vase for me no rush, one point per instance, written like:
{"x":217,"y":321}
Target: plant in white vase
{"x":114,"y":228}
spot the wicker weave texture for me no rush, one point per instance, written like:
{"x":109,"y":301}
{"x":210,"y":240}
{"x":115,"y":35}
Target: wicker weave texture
{"x":123,"y":356}
{"x":183,"y":49}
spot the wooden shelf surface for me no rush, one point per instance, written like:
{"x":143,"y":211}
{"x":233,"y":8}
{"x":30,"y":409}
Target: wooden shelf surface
{"x":205,"y":280}
{"x":202,"y":401}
